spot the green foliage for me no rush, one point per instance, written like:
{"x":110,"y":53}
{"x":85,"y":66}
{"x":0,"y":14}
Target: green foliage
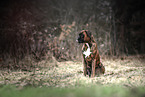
{"x":94,"y":91}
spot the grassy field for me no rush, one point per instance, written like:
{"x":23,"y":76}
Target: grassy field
{"x":123,"y":78}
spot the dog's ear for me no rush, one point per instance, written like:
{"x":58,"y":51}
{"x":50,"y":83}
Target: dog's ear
{"x":92,"y":38}
{"x":88,"y":33}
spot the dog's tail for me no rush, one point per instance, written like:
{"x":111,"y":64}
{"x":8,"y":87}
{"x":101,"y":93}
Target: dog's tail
{"x":102,"y":68}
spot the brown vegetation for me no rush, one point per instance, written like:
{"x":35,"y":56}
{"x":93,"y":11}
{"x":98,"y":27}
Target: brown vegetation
{"x":128,"y":73}
{"x":47,"y":29}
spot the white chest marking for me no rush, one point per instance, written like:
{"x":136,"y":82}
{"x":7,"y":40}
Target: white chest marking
{"x":88,"y":51}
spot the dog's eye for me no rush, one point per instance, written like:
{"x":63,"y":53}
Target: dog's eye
{"x":81,"y":35}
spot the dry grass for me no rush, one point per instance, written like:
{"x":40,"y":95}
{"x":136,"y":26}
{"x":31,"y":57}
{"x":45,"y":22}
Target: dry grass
{"x":128,"y":72}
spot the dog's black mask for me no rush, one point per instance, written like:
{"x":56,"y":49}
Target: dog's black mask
{"x":81,"y":38}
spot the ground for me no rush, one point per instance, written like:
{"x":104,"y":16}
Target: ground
{"x":129,"y":72}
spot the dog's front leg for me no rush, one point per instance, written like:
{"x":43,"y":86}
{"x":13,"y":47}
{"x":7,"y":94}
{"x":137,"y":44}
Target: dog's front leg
{"x":93,"y":68}
{"x":85,"y":67}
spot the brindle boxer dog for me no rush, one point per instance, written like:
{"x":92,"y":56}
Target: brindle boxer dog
{"x":91,"y":57}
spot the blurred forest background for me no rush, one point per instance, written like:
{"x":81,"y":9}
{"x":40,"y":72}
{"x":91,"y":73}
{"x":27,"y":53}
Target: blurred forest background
{"x":48,"y":29}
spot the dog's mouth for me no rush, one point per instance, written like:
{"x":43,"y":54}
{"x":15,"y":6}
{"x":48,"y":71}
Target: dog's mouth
{"x":79,"y":41}
{"x":80,"y":38}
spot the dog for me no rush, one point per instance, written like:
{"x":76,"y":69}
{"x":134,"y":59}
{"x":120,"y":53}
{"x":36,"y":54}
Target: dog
{"x":91,"y":59}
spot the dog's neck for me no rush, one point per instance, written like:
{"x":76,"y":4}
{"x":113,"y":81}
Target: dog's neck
{"x":89,"y":44}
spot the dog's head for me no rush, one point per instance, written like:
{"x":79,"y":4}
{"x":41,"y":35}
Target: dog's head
{"x":84,"y":36}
